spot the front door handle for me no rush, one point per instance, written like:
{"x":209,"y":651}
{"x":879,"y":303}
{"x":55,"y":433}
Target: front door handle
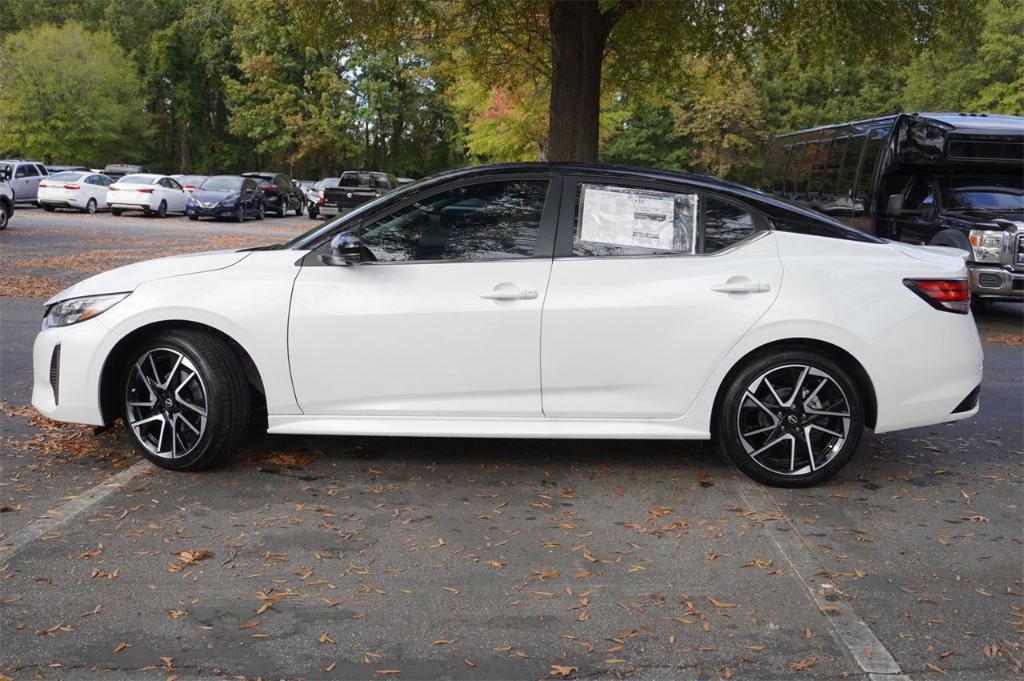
{"x":509,"y":292}
{"x":742,"y":287}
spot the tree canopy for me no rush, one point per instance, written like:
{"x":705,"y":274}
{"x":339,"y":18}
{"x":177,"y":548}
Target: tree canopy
{"x":414,"y":86}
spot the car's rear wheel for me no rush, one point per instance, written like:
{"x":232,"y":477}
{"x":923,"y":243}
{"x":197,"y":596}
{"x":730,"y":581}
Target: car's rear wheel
{"x":49,"y":209}
{"x":261,"y":210}
{"x":791,"y":418}
{"x":5,"y":215}
{"x":185,"y":400}
{"x":90,"y":207}
{"x":161,"y":211}
{"x":115,"y":212}
{"x":282,"y":209}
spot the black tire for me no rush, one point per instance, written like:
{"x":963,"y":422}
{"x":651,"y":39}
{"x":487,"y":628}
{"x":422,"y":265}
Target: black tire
{"x":239,"y":215}
{"x":90,"y":207}
{"x":313,"y":212}
{"x":49,"y":209}
{"x":282,"y":209}
{"x":228,"y":404}
{"x":116,"y":211}
{"x":193,"y":217}
{"x":5,"y":215}
{"x":736,"y":407}
{"x":301,"y":209}
{"x":261,"y":210}
{"x":161,"y":211}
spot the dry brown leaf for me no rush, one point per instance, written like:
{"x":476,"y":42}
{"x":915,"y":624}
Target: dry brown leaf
{"x":721,"y":604}
{"x":935,"y":668}
{"x":326,"y":638}
{"x":562,"y":670}
{"x":804,"y":665}
{"x":121,"y":646}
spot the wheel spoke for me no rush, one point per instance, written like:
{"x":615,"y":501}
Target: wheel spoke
{"x":170,"y":376}
{"x":750,"y":396}
{"x":181,"y":417}
{"x":760,"y":430}
{"x":771,"y":444}
{"x":810,"y":447}
{"x":796,"y":388}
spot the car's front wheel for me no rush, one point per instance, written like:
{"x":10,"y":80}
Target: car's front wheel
{"x":791,"y":418}
{"x":185,"y":400}
{"x":90,"y":207}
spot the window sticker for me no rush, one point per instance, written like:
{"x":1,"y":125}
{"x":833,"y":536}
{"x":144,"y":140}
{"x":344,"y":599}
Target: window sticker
{"x":642,"y":218}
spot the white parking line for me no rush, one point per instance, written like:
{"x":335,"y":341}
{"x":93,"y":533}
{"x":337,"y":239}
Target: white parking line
{"x":848,"y":629}
{"x":20,"y":540}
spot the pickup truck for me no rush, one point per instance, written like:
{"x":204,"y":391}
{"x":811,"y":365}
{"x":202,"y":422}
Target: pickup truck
{"x":355,"y":187}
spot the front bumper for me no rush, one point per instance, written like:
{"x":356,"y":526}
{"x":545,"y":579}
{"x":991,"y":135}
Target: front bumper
{"x":66,"y":373}
{"x":211,"y":212}
{"x":995,"y":282}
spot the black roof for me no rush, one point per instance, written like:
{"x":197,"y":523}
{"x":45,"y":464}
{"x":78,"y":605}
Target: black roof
{"x":967,"y":123}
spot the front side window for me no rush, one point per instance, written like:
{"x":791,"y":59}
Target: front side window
{"x":486,"y":221}
{"x":613,"y":220}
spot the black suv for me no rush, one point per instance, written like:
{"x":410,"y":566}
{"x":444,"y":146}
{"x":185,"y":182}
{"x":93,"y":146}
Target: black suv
{"x":935,"y":179}
{"x":355,"y":187}
{"x":280,"y":193}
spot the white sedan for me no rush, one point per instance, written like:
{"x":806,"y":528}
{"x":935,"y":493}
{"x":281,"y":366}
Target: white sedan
{"x":152,"y":194}
{"x":551,"y":301}
{"x":73,"y":189}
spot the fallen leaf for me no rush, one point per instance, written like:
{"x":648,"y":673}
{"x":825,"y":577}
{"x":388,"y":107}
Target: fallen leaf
{"x":935,"y":668}
{"x":121,"y":646}
{"x":562,"y":670}
{"x":804,"y":665}
{"x":721,"y":604}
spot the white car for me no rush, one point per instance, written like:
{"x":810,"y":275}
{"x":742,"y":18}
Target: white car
{"x":190,"y":183}
{"x":73,"y":189}
{"x":152,"y":194}
{"x":551,"y":301}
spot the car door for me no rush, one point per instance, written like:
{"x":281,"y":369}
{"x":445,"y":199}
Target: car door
{"x":649,"y":289}
{"x":26,"y":182}
{"x":94,"y":188}
{"x":174,"y":194}
{"x":445,"y":321}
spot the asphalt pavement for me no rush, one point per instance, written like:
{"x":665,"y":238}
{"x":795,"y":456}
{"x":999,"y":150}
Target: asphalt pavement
{"x":374,"y":558}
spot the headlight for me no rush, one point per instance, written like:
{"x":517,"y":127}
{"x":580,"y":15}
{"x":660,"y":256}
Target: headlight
{"x":76,"y":310}
{"x":988,"y":244}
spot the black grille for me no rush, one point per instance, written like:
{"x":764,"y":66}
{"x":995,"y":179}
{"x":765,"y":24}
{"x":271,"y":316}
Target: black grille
{"x":969,"y":402}
{"x":1020,"y":250}
{"x":990,"y":280}
{"x":55,"y":373}
{"x":1018,"y":284}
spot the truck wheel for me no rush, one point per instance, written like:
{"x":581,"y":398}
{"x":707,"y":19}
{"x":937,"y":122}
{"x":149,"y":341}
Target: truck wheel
{"x":5,"y":215}
{"x":185,"y":400}
{"x":790,"y":418}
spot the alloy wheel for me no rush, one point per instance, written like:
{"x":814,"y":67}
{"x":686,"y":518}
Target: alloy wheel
{"x":793,"y":419}
{"x":3,"y":216}
{"x":90,"y":207}
{"x":166,"y":403}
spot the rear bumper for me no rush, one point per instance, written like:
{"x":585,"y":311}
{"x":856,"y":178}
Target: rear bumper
{"x":996,"y":283}
{"x":125,"y":205}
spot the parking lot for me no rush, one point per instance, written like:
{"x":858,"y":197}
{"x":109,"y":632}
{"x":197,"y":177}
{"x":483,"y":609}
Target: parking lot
{"x":321,"y":558}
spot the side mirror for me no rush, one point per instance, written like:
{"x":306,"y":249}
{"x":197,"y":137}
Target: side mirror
{"x":894,"y":206}
{"x":346,"y":250}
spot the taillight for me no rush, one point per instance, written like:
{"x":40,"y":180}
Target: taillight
{"x":267,"y":186}
{"x":950,"y":295}
{"x":43,"y":184}
{"x":190,"y":187}
{"x":112,"y":188}
{"x":146,"y":190}
{"x":320,"y":201}
{"x":71,"y":186}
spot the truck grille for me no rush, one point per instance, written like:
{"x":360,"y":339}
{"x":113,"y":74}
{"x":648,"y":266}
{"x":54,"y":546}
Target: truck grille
{"x":55,"y":373}
{"x":1018,"y":259}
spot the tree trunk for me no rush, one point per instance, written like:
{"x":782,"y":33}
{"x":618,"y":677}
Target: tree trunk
{"x":578,"y":35}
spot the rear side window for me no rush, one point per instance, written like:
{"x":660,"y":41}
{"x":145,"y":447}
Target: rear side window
{"x":27,"y":170}
{"x":724,"y":225}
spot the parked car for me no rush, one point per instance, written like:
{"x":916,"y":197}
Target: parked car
{"x":24,"y":178}
{"x":226,"y":196}
{"x":530,"y":300}
{"x":355,"y":188}
{"x":74,"y":189}
{"x":119,"y":170}
{"x":189,"y":182}
{"x":280,"y":193}
{"x":61,"y":169}
{"x":315,"y":196}
{"x":945,"y":179}
{"x":6,"y":200}
{"x":152,"y":194}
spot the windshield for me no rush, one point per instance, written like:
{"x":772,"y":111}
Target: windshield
{"x":224,"y":183}
{"x":989,"y":194}
{"x":65,"y":177}
{"x":330,"y":182}
{"x":137,"y":179}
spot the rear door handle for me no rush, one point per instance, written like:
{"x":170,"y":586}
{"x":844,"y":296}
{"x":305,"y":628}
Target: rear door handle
{"x":743,"y":287}
{"x":509,"y":293}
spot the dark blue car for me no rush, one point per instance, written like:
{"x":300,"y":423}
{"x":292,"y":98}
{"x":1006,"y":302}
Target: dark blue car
{"x":226,"y":196}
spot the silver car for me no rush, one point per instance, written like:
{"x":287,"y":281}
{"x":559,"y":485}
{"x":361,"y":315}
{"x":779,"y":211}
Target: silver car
{"x":24,"y":178}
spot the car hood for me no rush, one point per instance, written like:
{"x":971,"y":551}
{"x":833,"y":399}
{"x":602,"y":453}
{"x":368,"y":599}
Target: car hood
{"x":129,"y":277}
{"x":210,"y":195}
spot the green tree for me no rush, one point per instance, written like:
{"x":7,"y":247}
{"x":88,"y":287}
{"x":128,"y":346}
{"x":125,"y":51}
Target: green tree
{"x":68,"y":97}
